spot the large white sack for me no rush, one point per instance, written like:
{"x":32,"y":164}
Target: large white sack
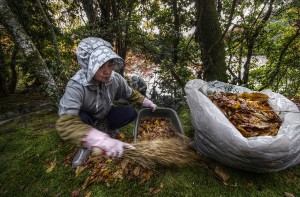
{"x":216,"y":137}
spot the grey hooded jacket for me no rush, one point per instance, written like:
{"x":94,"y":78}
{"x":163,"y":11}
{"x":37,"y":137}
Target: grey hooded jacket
{"x":84,"y":93}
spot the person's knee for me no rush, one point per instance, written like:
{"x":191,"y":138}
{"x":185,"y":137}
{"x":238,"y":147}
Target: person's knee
{"x":132,"y":114}
{"x":85,"y":117}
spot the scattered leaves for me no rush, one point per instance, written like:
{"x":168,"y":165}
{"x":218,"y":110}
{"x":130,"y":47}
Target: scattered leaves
{"x":106,"y":170}
{"x":158,"y":145}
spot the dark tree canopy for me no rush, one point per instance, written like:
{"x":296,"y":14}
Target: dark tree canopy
{"x":250,"y":43}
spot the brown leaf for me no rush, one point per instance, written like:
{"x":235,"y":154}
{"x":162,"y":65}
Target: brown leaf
{"x":58,"y":194}
{"x":87,"y":194}
{"x":106,"y":172}
{"x":21,"y":188}
{"x":51,"y":167}
{"x":287,"y":194}
{"x":249,"y":185}
{"x":161,"y":185}
{"x":122,"y":137}
{"x":155,"y":191}
{"x":79,"y":169}
{"x":221,"y":173}
{"x":136,"y":170}
{"x":118,"y":174}
{"x":124,"y":163}
{"x":75,"y":193}
{"x":45,"y":190}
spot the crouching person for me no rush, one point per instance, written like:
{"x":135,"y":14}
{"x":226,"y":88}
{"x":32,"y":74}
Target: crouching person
{"x":87,"y":117}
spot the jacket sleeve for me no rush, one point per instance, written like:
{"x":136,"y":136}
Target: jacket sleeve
{"x":136,"y":97}
{"x":71,"y":128}
{"x":125,"y":90}
{"x":72,"y":99}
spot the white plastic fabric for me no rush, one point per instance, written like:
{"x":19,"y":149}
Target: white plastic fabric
{"x":216,"y":137}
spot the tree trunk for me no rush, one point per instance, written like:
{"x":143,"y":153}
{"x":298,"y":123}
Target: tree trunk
{"x":53,"y":35}
{"x":14,"y":75}
{"x":175,"y":45}
{"x":105,"y":17}
{"x":208,"y":34}
{"x":14,"y":28}
{"x":89,"y":10}
{"x":3,"y":75}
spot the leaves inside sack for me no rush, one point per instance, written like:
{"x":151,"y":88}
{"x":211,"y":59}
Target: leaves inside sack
{"x":250,"y":113}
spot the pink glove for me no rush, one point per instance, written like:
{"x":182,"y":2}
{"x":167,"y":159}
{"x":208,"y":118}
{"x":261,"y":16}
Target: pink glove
{"x":109,"y":146}
{"x":149,"y":104}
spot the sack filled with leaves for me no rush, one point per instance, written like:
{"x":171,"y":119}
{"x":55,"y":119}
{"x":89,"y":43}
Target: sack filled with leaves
{"x":253,"y":131}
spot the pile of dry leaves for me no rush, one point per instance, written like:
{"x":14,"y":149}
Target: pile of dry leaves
{"x":250,"y":113}
{"x":162,"y":127}
{"x":158,"y":145}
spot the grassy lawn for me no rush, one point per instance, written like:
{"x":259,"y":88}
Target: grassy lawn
{"x":33,"y":162}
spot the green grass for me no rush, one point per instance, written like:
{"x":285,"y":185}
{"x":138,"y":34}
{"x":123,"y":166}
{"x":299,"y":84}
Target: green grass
{"x":28,"y":149}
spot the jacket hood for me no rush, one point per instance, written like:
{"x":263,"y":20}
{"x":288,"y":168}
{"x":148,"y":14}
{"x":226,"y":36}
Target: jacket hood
{"x":92,"y":53}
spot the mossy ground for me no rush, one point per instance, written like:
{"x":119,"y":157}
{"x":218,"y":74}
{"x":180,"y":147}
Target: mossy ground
{"x":33,"y":163}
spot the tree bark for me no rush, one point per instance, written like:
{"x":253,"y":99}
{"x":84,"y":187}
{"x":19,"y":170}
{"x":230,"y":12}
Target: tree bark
{"x":89,"y":10}
{"x":3,"y":75}
{"x":208,"y":34}
{"x":14,"y":75}
{"x":175,"y":45}
{"x":10,"y":22}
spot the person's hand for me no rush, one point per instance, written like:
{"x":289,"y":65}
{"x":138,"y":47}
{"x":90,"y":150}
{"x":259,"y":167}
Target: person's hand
{"x":149,"y":104}
{"x":108,"y":146}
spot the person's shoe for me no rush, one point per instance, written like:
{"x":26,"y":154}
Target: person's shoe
{"x":79,"y":158}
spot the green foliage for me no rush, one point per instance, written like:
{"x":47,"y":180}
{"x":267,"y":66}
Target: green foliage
{"x":148,"y":28}
{"x":286,"y":63}
{"x":162,"y":51}
{"x":280,"y":73}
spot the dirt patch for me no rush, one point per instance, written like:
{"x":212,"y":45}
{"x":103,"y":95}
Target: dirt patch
{"x":20,"y":104}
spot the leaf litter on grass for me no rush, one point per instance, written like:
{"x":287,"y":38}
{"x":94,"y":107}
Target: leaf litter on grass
{"x":158,"y":146}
